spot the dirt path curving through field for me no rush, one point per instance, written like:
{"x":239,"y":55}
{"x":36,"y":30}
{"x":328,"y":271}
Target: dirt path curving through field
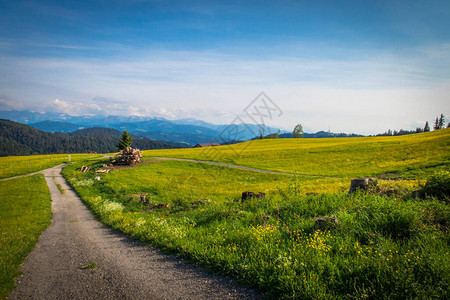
{"x":241,"y":167}
{"x":24,"y":175}
{"x":79,"y":258}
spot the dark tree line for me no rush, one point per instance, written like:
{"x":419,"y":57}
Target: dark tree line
{"x":438,"y":124}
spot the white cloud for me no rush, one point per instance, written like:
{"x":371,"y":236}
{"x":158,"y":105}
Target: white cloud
{"x":368,"y":93}
{"x":8,"y":104}
{"x":76,"y":108}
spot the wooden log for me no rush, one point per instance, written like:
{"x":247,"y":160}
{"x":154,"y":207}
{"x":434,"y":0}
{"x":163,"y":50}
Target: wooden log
{"x":143,"y":196}
{"x":202,"y":201}
{"x":128,"y":156}
{"x":163,"y":205}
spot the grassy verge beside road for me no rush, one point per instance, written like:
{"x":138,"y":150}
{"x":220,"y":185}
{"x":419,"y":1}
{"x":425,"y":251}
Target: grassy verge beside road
{"x":25,"y":211}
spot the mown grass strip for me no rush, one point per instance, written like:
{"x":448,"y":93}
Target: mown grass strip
{"x":25,"y":211}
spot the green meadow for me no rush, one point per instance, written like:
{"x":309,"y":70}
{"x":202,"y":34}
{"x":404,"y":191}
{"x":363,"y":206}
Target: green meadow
{"x":385,"y":243}
{"x":25,"y":211}
{"x":169,"y":180}
{"x":416,"y":155}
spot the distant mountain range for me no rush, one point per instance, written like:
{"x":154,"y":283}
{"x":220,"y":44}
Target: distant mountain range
{"x":29,"y":117}
{"x":21,"y":139}
{"x":189,"y":131}
{"x":183,"y":132}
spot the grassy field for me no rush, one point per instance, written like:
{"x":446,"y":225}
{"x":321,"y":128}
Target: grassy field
{"x":416,"y":155}
{"x":25,"y":211}
{"x":382,"y":247}
{"x":168,"y":180}
{"x":18,"y":165}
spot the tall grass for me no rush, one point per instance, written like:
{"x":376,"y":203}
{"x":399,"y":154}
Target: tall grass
{"x":25,"y":211}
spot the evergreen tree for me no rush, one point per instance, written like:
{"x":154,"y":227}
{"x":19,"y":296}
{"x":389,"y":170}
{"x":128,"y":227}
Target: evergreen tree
{"x":448,"y":125}
{"x":427,"y":127}
{"x":125,"y":141}
{"x":442,"y":122}
{"x":436,"y":124}
{"x":298,"y":131}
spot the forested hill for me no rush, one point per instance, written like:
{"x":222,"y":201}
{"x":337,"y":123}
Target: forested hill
{"x":20,"y":139}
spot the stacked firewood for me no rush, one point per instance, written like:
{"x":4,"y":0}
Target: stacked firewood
{"x":127,"y":156}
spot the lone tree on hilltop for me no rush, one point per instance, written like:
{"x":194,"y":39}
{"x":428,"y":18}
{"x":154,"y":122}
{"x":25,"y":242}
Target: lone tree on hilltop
{"x":125,"y":141}
{"x":427,"y":127}
{"x":298,"y":131}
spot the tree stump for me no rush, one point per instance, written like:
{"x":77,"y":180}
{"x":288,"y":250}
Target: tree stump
{"x":326,"y":223}
{"x":360,"y":184}
{"x":249,"y":195}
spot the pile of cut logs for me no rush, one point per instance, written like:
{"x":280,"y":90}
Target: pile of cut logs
{"x":127,"y":156}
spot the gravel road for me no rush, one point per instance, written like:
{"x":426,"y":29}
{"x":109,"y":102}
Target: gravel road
{"x":79,"y":258}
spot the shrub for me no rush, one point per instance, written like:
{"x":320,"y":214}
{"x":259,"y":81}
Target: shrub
{"x":438,"y":185}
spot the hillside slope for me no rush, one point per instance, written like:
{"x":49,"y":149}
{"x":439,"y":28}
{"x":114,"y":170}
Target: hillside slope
{"x":20,"y":139}
{"x":414,"y":154}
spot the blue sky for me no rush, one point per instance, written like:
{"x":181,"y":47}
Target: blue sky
{"x":354,"y":66}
